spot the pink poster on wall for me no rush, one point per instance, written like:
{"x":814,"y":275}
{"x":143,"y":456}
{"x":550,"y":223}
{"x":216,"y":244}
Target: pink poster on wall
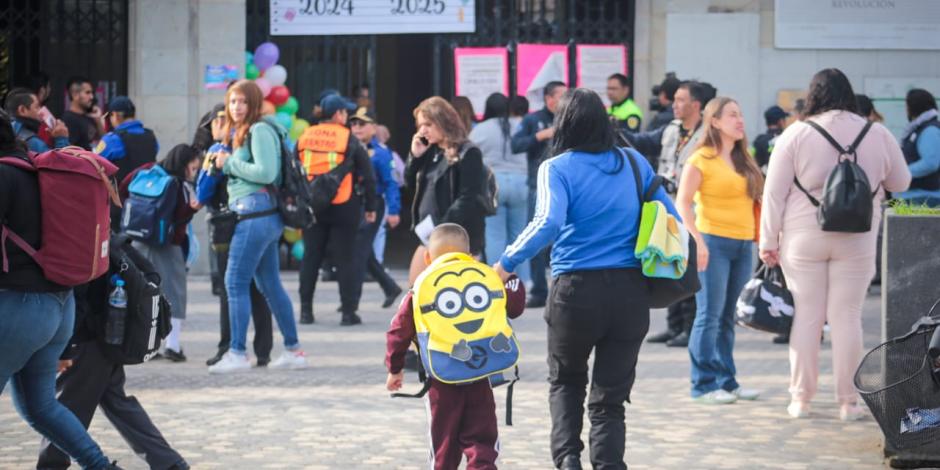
{"x":596,"y":62}
{"x":480,"y":72}
{"x":536,"y":65}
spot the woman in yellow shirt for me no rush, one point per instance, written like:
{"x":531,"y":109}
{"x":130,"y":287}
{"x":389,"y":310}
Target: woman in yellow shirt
{"x":724,"y":182}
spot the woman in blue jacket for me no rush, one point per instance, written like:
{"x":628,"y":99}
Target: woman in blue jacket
{"x":587,"y":207}
{"x":921,"y":147}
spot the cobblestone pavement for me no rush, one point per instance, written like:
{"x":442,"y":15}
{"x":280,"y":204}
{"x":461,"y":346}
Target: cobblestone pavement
{"x":337,"y":414}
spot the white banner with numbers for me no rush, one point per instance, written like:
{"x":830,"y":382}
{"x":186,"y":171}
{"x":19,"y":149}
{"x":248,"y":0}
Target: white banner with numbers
{"x":338,"y":17}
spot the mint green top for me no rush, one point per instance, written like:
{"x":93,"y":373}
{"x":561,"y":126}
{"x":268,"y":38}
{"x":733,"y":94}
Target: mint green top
{"x":253,"y":174}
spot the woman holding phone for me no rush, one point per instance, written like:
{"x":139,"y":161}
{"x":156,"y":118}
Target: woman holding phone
{"x":447,"y":173}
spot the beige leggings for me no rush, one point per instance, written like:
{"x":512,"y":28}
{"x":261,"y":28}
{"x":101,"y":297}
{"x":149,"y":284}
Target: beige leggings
{"x":828,"y":274}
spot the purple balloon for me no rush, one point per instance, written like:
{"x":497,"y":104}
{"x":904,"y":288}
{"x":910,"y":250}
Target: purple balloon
{"x":266,"y":55}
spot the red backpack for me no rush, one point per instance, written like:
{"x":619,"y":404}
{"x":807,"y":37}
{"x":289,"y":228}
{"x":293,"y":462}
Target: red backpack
{"x":74,"y":193}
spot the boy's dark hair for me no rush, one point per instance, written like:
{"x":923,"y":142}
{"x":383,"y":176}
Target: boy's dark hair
{"x":624,"y":81}
{"x":16,"y":98}
{"x":918,"y":102}
{"x":830,"y":90}
{"x":518,"y":106}
{"x":697,"y":91}
{"x":71,"y":86}
{"x":37,"y":80}
{"x":8,"y":141}
{"x":581,"y":123}
{"x":669,"y":86}
{"x":550,"y":87}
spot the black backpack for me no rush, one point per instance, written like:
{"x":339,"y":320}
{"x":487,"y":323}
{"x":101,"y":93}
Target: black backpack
{"x":846,"y":204}
{"x":148,"y":313}
{"x":324,"y":187}
{"x":293,"y":195}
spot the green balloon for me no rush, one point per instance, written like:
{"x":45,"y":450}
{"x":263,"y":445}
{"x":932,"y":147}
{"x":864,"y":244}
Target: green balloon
{"x":251,"y":71}
{"x":290,"y":106}
{"x":298,"y":127}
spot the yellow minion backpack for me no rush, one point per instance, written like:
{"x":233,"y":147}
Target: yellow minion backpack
{"x":460,"y":320}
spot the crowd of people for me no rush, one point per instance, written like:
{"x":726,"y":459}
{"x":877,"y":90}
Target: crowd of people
{"x":537,"y":195}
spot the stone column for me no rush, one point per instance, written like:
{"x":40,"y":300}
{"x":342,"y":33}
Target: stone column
{"x":170,"y":44}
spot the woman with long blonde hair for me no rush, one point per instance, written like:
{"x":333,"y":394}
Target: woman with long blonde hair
{"x":724,"y":183}
{"x":447,"y":173}
{"x":254,"y":163}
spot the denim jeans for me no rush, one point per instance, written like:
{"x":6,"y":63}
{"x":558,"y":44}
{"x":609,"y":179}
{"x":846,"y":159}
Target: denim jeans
{"x":510,"y":219}
{"x":253,"y":254}
{"x":711,"y":343}
{"x":539,"y":262}
{"x":378,"y":245}
{"x":34,"y":330}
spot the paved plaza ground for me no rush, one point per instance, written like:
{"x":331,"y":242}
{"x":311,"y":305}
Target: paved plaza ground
{"x":337,"y":414}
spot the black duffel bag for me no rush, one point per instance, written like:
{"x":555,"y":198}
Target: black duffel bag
{"x":765,"y":304}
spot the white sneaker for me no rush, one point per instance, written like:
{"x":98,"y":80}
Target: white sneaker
{"x":746,"y":393}
{"x":851,"y":413}
{"x":718,"y":397}
{"x":292,"y":360}
{"x":230,"y":363}
{"x":798,"y":410}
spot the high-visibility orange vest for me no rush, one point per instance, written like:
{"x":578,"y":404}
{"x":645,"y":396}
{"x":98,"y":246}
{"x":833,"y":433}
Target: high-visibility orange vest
{"x":322,"y":148}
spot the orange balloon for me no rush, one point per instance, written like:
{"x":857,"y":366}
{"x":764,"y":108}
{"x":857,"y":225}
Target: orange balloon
{"x":267,"y":108}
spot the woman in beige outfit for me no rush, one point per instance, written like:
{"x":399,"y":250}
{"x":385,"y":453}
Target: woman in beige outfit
{"x":827,"y":272}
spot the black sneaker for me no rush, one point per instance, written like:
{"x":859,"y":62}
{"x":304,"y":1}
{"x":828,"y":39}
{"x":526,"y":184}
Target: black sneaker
{"x":782,"y":339}
{"x":535,"y":302}
{"x":681,"y":340}
{"x":570,"y":462}
{"x":113,"y":466}
{"x":306,"y":314}
{"x":350,"y":319}
{"x":390,"y":297}
{"x":174,"y":356}
{"x":214,"y":359}
{"x":661,"y":337}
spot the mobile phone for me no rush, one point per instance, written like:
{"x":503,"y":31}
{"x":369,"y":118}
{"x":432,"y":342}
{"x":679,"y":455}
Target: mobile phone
{"x":424,"y":140}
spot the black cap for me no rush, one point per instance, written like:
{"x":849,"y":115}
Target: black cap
{"x":774,"y":114}
{"x":330,"y":104}
{"x":122,"y":104}
{"x":362,"y":114}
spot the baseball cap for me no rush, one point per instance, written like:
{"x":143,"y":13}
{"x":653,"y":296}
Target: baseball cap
{"x":774,"y":114}
{"x":330,"y":104}
{"x":121,"y":104}
{"x":362,"y":114}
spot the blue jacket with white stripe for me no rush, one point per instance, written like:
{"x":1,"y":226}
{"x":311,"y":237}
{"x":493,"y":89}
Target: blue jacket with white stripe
{"x":587,"y":206}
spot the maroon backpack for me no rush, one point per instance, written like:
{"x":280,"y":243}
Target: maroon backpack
{"x":74,"y":193}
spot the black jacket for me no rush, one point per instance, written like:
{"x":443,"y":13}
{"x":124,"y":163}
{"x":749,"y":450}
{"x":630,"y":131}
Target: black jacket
{"x":20,"y":211}
{"x":524,"y":141}
{"x":456,"y":191}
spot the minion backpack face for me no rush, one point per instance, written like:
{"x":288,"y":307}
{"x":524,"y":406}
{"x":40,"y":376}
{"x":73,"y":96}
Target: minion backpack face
{"x":460,"y":320}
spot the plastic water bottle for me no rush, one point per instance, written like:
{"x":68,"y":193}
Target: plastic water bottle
{"x":117,"y":313}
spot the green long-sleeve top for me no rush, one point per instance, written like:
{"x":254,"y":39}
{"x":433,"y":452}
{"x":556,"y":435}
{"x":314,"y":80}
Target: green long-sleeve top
{"x":258,"y":168}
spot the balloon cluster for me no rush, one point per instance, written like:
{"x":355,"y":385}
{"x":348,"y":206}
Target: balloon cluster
{"x":262,"y":67}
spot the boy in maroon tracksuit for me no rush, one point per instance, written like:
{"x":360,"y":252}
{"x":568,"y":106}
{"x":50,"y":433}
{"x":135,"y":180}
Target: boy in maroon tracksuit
{"x":463,"y":417}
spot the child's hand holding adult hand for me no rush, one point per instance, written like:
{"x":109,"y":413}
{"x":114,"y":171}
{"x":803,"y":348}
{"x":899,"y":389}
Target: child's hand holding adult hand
{"x":393,"y":382}
{"x":503,"y":274}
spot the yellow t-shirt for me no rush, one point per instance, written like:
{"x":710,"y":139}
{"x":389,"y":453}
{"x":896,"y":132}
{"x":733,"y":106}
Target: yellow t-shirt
{"x":722,"y":205}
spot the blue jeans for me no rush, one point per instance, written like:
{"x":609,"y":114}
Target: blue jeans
{"x":711,"y":343}
{"x":34,"y":330}
{"x":539,"y":262}
{"x":510,"y":219}
{"x":253,"y":254}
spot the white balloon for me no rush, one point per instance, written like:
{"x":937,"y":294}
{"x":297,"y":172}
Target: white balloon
{"x":276,"y":75}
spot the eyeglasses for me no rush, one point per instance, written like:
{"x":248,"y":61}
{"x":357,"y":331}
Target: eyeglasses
{"x":451,"y":302}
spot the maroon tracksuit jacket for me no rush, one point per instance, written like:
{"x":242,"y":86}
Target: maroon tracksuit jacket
{"x":463,"y":417}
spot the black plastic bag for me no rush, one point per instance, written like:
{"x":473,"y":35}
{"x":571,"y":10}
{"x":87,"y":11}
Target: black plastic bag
{"x":765,"y":304}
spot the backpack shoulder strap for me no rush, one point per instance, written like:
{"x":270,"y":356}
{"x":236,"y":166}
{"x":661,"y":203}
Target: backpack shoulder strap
{"x":636,"y":174}
{"x":799,"y":186}
{"x":828,"y":136}
{"x":858,"y":140}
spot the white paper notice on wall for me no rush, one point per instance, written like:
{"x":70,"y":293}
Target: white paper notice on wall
{"x":596,"y":62}
{"x":857,"y":24}
{"x":350,"y":17}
